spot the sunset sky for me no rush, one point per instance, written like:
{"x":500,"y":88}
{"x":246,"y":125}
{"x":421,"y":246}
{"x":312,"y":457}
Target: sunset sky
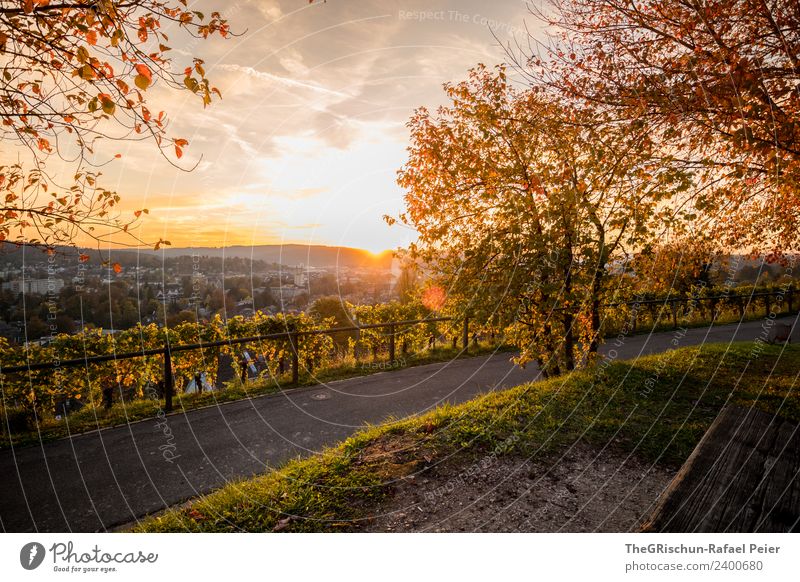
{"x":305,"y":145}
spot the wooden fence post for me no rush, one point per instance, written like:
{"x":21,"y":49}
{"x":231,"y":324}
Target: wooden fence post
{"x":169,"y":386}
{"x":674,"y":314}
{"x":294,"y":340}
{"x":391,"y":343}
{"x":465,"y":336}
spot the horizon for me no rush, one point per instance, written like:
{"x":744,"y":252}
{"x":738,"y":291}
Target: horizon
{"x":171,"y":247}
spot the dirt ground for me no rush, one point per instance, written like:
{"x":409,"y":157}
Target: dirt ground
{"x":581,"y":490}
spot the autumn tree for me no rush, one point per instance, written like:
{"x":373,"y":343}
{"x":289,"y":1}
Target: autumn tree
{"x":717,"y":82}
{"x":336,"y":312}
{"x":75,"y":76}
{"x":408,"y":282}
{"x":677,"y":266}
{"x":332,"y":308}
{"x":522,"y":206}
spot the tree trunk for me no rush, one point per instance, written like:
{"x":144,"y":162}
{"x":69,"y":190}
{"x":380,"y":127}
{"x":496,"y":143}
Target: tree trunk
{"x":597,"y":287}
{"x":569,"y":342}
{"x":555,"y":369}
{"x":594,"y":346}
{"x":568,"y":319}
{"x":542,"y":370}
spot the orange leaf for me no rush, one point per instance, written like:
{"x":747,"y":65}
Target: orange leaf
{"x":144,"y":71}
{"x":117,"y":268}
{"x":180,"y":143}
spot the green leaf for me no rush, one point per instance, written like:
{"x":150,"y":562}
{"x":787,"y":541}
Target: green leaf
{"x":142,"y":82}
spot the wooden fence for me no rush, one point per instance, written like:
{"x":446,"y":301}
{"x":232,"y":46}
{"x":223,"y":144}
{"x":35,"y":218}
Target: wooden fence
{"x":295,"y":337}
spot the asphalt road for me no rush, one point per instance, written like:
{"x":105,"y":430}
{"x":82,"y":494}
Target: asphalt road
{"x":99,"y":480}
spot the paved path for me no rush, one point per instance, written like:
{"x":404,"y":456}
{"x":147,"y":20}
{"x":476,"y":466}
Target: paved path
{"x":110,"y":477}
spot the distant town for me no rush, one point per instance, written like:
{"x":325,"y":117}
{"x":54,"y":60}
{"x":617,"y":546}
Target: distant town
{"x":73,"y":289}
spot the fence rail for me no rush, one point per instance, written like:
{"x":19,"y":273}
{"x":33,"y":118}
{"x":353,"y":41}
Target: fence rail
{"x":296,"y":336}
{"x":293,"y":336}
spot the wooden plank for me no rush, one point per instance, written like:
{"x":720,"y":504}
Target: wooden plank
{"x":743,"y":476}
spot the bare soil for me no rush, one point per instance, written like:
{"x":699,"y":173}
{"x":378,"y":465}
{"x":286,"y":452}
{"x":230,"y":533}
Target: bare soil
{"x":583,"y":489}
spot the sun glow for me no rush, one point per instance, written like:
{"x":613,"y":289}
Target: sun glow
{"x":306,"y":144}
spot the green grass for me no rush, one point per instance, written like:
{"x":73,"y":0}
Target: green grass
{"x":97,"y":417}
{"x":664,"y":323}
{"x":610,"y":404}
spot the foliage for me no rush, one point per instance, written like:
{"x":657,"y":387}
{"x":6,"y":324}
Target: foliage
{"x":522,"y":204}
{"x":20,"y":428}
{"x":39,"y":390}
{"x":76,"y":73}
{"x":135,"y":381}
{"x":135,"y":378}
{"x":339,"y":313}
{"x":676,"y":266}
{"x":332,"y":307}
{"x":716,"y":82}
{"x":376,"y":340}
{"x":408,"y":282}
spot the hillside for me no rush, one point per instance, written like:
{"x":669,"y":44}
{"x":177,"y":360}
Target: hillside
{"x":290,"y":255}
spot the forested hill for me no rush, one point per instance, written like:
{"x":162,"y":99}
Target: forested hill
{"x":291,"y":255}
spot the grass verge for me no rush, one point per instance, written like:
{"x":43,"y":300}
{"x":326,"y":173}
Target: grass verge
{"x":656,"y":407}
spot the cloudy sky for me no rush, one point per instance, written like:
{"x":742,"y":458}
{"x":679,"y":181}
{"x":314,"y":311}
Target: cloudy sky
{"x":305,"y":145}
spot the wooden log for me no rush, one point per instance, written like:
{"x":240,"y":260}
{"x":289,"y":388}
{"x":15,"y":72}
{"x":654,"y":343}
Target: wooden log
{"x":743,"y":476}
